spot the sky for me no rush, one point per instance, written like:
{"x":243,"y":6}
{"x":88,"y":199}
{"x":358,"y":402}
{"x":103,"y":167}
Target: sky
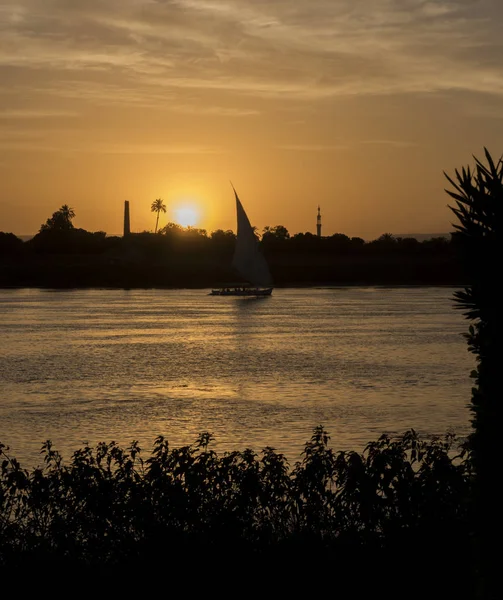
{"x":356,"y":105}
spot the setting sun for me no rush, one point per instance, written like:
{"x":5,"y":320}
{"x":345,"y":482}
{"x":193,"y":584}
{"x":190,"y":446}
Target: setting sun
{"x":187,"y":216}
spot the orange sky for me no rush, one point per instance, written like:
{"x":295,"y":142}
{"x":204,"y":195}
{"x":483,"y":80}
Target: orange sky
{"x":358,"y":105}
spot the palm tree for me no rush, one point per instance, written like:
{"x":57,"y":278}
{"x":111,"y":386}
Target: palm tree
{"x":479,"y":208}
{"x":67,"y":213}
{"x":158,"y":206}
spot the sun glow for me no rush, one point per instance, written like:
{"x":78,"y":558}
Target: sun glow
{"x":187,"y":215}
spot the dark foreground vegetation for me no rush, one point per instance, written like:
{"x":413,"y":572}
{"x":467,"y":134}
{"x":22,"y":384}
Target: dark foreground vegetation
{"x":61,"y":255}
{"x":399,"y":509}
{"x":478,"y":195}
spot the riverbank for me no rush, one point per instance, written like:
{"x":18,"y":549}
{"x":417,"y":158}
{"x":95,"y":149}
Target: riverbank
{"x":203,"y":271}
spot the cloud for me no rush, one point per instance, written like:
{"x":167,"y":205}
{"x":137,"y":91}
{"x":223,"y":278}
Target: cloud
{"x":155,"y":149}
{"x":223,"y":111}
{"x":36,"y":114}
{"x":344,"y":146}
{"x":312,"y":147}
{"x":108,"y":94}
{"x":394,"y":143}
{"x":292,"y":50}
{"x":27,"y":143}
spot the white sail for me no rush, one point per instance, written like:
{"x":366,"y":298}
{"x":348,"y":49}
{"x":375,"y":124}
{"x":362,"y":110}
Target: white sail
{"x":248,"y":259}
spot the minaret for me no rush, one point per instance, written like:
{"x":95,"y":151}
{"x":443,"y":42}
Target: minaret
{"x":318,"y":223}
{"x":127,"y":227}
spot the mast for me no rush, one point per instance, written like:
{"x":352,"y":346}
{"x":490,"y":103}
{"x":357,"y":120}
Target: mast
{"x":318,"y":223}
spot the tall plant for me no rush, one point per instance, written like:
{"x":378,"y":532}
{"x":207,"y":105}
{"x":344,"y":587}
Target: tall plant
{"x":478,"y":193}
{"x":158,"y":206}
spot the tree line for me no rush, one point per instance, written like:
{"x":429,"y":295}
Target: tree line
{"x":63,"y":255}
{"x":59,"y":235}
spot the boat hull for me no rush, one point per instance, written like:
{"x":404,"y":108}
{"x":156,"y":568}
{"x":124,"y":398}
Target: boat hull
{"x":254,"y":292}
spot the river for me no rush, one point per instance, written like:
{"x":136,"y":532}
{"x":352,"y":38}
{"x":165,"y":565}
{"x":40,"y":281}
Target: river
{"x":95,"y":365}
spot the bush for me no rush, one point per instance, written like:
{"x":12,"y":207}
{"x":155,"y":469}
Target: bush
{"x":110,"y":506}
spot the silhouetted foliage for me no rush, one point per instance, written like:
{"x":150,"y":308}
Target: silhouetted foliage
{"x":68,"y":241}
{"x":221,"y":236}
{"x":171,"y":229}
{"x":10,"y":243}
{"x":479,"y":208}
{"x":111,"y":505}
{"x":158,"y":206}
{"x":278,"y":232}
{"x":62,"y":256}
{"x":61,"y":220}
{"x":223,"y":242}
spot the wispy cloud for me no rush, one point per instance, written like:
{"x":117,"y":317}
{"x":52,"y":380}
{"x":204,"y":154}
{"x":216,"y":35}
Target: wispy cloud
{"x":346,"y":145}
{"x":36,"y":114}
{"x":293,"y":49}
{"x":26,"y":143}
{"x":312,"y":147}
{"x":155,"y":149}
{"x":223,"y":111}
{"x":393,"y":143}
{"x":144,"y":96}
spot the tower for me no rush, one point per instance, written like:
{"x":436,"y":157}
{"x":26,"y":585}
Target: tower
{"x":127,"y":227}
{"x":318,"y":223}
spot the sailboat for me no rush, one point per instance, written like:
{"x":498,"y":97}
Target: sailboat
{"x":248,"y":261}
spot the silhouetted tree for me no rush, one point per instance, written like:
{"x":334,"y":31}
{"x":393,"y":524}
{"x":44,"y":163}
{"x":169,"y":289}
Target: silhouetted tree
{"x":408,"y":244}
{"x":195,"y":232}
{"x":341,"y":238}
{"x":223,"y":242}
{"x":436,"y":243}
{"x":10,"y":243}
{"x":357,"y":241}
{"x":219,"y":236}
{"x":61,"y":220}
{"x":171,"y":229}
{"x":338,"y":242}
{"x":278,"y":232}
{"x":158,"y":206}
{"x":479,"y":209}
{"x":386,"y":240}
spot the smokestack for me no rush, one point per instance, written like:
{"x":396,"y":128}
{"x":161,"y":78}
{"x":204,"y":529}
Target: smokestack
{"x":127,"y":227}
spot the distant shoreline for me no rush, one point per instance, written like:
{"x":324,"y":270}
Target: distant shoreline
{"x":187,"y":260}
{"x":282,"y":286}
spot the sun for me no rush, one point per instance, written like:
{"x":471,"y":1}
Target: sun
{"x":186,"y":216}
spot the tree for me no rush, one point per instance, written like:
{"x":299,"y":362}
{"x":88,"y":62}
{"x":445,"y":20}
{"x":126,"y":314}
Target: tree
{"x":9,"y":243}
{"x":479,"y":210}
{"x":220,"y":236}
{"x":278,"y":232}
{"x":195,"y":232}
{"x":171,"y":229}
{"x":223,"y":242}
{"x":158,"y":206}
{"x":61,"y":220}
{"x":386,"y":239}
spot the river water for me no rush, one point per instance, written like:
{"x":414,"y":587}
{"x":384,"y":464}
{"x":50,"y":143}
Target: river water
{"x":98,"y":365}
